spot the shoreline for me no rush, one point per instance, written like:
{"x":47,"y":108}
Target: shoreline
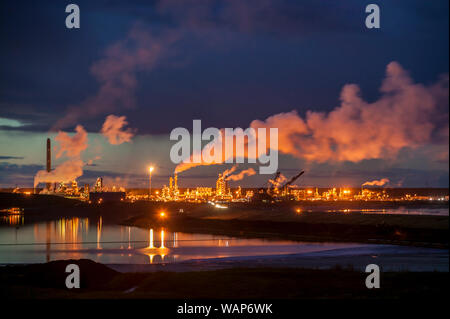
{"x":318,"y":227}
{"x":389,"y":258}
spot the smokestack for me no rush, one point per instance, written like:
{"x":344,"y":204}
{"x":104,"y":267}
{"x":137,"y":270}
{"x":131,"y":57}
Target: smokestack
{"x":49,"y":161}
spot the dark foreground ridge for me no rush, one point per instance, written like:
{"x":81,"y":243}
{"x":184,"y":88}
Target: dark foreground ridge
{"x":44,"y":281}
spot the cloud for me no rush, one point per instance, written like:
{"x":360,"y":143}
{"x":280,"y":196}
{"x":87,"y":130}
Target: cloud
{"x":405,"y":116}
{"x":116,"y":73}
{"x":113,"y":130}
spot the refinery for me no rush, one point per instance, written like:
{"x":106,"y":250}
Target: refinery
{"x":278,"y":189}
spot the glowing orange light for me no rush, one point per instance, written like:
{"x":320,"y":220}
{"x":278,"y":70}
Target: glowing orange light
{"x":162,"y":214}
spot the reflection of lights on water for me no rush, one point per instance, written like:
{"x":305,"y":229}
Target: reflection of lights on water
{"x":129,"y":237}
{"x":150,"y":244}
{"x":99,"y":232}
{"x":151,"y":240}
{"x":220,"y":206}
{"x":217,"y":205}
{"x":175,"y":239}
{"x":66,"y":230}
{"x":13,"y":220}
{"x":162,"y":239}
{"x":151,"y":255}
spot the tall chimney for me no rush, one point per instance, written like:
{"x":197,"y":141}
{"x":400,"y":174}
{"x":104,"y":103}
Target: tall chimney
{"x":49,"y":160}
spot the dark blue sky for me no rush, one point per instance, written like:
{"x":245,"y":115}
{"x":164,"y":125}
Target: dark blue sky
{"x":232,"y":61}
{"x":285,"y":55}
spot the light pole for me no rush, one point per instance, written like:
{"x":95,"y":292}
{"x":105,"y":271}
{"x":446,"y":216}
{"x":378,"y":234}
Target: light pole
{"x":150,"y":170}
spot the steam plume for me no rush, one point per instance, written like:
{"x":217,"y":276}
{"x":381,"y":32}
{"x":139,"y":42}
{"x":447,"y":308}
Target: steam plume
{"x":239,"y":176}
{"x":277,"y":182}
{"x":405,"y":116}
{"x":229,"y":171}
{"x":113,"y":130}
{"x":65,"y":172}
{"x":380,"y":182}
{"x":74,"y":145}
{"x":70,"y":170}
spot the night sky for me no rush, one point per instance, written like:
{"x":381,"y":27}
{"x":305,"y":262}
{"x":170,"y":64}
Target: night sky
{"x":162,"y":64}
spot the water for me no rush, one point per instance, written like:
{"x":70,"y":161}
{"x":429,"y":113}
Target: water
{"x":397,"y":211}
{"x":76,"y":238}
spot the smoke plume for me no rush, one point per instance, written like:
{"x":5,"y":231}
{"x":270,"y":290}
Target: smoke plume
{"x":405,"y":116}
{"x":115,"y":184}
{"x":74,"y":145}
{"x":65,"y":172}
{"x":277,"y":182}
{"x":239,"y":176}
{"x":229,"y":171}
{"x":70,"y":170}
{"x":380,"y":182}
{"x":113,"y":130}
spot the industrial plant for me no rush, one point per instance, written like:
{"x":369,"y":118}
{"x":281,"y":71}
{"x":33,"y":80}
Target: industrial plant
{"x":278,"y":189}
